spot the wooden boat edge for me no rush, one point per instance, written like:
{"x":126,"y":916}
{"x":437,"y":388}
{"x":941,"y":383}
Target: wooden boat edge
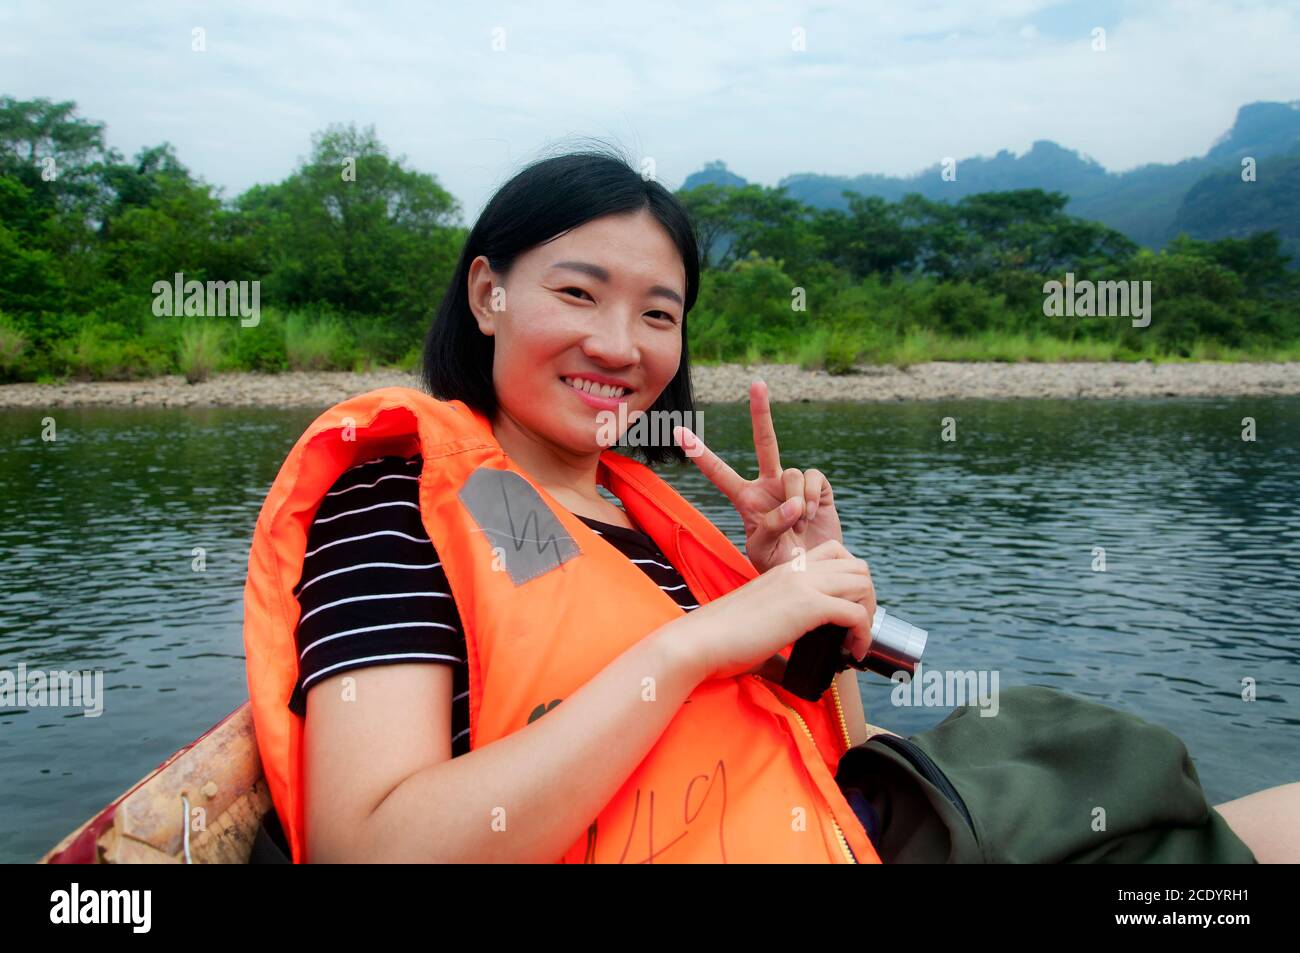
{"x":212,"y":786}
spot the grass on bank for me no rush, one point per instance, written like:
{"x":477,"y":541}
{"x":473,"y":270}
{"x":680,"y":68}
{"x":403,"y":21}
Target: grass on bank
{"x":838,"y":354}
{"x":322,"y":341}
{"x":200,"y":351}
{"x":92,"y":348}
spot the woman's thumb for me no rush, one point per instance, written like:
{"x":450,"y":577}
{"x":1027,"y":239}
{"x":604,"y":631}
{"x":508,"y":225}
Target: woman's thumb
{"x":784,"y":516}
{"x":774,"y":523}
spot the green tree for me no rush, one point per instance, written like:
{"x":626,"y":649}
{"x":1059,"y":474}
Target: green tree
{"x":711,"y":215}
{"x":355,"y":229}
{"x":55,"y":199}
{"x":30,"y":277}
{"x":873,"y":237}
{"x":1259,"y":260}
{"x":58,"y":156}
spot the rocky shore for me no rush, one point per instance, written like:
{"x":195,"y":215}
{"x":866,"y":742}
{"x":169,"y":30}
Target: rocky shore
{"x":728,"y":382}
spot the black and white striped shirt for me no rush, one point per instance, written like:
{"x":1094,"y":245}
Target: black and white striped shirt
{"x":373,"y":591}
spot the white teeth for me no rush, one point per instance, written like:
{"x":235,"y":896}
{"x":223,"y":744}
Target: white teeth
{"x":590,"y":387}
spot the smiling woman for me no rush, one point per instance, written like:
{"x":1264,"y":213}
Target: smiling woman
{"x":458,"y":574}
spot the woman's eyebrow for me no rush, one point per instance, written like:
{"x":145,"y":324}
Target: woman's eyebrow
{"x":602,"y":275}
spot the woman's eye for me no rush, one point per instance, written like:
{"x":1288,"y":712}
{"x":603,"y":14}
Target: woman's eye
{"x":662,"y":314}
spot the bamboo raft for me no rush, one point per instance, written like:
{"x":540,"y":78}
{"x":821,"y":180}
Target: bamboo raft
{"x":219,"y":773}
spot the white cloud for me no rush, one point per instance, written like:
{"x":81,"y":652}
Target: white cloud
{"x":882,"y":87}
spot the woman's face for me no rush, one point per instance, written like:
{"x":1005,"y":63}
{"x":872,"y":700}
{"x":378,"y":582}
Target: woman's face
{"x":601,"y":303}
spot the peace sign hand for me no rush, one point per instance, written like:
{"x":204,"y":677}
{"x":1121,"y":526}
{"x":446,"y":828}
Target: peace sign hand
{"x":782,"y":510}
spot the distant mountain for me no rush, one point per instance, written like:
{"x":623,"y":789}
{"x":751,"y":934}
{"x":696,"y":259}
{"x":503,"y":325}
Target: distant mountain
{"x":1203,"y":196}
{"x":1260,"y":129}
{"x":713,"y":173}
{"x":1222,"y":206}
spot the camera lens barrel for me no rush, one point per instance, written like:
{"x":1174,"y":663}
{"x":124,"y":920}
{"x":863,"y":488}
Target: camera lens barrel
{"x":896,"y":645}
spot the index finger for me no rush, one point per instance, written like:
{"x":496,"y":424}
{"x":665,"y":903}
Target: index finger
{"x":765,"y":448}
{"x":711,"y":465}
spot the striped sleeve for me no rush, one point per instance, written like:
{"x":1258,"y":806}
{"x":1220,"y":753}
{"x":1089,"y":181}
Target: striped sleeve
{"x":372,"y":589}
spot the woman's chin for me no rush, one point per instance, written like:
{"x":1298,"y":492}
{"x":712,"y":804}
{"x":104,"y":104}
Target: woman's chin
{"x":583,"y":440}
{"x":599,"y":431}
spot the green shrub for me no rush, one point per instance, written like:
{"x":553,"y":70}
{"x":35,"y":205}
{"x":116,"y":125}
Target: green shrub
{"x":104,"y":351}
{"x":320,"y":345}
{"x":709,"y":335}
{"x":810,"y":353}
{"x":410,"y":361}
{"x":841,"y":353}
{"x":13,"y":342}
{"x":833,"y":350}
{"x":200,"y":350}
{"x":261,"y":347}
{"x":960,"y":309}
{"x":381,"y":341}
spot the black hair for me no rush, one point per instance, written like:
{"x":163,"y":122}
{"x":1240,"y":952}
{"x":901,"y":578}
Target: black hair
{"x":548,"y":197}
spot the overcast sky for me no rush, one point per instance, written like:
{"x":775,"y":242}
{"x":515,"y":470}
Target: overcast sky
{"x":881,"y":86}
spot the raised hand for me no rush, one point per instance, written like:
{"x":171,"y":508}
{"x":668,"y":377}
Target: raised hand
{"x":782,"y":510}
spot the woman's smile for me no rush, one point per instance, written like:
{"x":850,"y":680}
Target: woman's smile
{"x":599,"y":395}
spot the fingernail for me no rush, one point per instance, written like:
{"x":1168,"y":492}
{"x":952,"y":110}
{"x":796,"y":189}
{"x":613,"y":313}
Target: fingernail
{"x":812,"y":509}
{"x":789,"y":508}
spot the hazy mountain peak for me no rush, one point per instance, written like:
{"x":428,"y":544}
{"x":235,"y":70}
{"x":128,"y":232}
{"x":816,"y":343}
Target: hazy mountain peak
{"x":1146,"y":203}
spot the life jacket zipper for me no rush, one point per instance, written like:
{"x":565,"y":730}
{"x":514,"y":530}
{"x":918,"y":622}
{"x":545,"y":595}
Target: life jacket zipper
{"x":692,"y":581}
{"x":844,"y":727}
{"x":843,"y":841}
{"x":928,"y":770}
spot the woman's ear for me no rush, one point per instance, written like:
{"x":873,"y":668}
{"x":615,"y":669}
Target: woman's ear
{"x":483,"y":292}
{"x":484,"y":318}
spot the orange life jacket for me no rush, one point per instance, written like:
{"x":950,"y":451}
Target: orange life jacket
{"x":744,"y":772}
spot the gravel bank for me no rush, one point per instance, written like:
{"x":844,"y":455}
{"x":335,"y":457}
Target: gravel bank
{"x":787,"y":382}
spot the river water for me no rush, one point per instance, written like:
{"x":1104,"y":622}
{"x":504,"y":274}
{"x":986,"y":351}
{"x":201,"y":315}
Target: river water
{"x":124,"y":540}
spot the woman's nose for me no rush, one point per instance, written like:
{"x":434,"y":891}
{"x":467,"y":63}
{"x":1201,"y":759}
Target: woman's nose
{"x":612,"y":341}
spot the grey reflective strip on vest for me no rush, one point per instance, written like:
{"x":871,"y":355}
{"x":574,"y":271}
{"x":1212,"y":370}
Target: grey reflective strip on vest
{"x":521,"y":529}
